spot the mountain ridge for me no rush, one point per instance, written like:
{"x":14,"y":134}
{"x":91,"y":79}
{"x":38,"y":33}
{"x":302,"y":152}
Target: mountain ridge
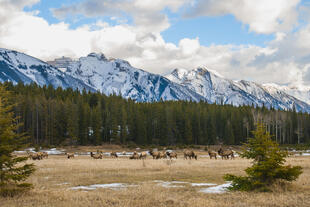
{"x":115,"y":76}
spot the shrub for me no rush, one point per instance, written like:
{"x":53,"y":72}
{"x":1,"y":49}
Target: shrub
{"x":268,"y":164}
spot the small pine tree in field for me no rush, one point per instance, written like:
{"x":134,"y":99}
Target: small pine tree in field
{"x":268,"y":164}
{"x":12,"y":171}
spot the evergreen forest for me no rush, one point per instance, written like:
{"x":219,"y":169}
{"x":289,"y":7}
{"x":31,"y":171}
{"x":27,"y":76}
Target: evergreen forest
{"x":53,"y":117}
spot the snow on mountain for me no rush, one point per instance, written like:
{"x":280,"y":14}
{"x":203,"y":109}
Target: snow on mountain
{"x":114,"y":76}
{"x":220,"y":90}
{"x":18,"y":67}
{"x":300,"y":92}
{"x":119,"y":77}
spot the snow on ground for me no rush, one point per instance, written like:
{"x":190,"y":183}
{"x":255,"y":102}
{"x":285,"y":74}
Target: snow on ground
{"x":216,"y":189}
{"x":166,"y":184}
{"x":54,"y":151}
{"x":172,"y":184}
{"x":113,"y":186}
{"x":203,"y":184}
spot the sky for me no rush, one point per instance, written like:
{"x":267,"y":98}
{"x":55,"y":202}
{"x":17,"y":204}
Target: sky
{"x":263,"y":41}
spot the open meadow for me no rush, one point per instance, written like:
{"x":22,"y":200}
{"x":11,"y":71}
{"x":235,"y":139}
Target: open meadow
{"x":83,"y":181}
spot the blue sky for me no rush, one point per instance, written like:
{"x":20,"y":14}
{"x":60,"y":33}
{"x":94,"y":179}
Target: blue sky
{"x":264,"y":41}
{"x":210,"y":30}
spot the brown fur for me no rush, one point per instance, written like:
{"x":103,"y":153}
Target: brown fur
{"x":70,"y":155}
{"x":190,"y":154}
{"x":158,"y":155}
{"x":155,"y":154}
{"x":172,"y":155}
{"x":226,"y":153}
{"x":44,"y":154}
{"x":36,"y":156}
{"x":96,"y":156}
{"x":212,"y":154}
{"x":143,"y":155}
{"x":114,"y":154}
{"x":135,"y":156}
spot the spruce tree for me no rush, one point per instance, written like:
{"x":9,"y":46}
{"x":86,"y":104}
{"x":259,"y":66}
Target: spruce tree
{"x":268,"y":164}
{"x":12,"y":172}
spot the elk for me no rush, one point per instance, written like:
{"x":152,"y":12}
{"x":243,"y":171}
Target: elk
{"x":212,"y":154}
{"x":172,"y":155}
{"x":114,"y":154}
{"x":225,"y":154}
{"x":96,"y":156}
{"x":143,"y":155}
{"x":70,"y":155}
{"x":190,"y":154}
{"x":134,"y":156}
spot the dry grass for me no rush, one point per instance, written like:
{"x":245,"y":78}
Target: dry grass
{"x":51,"y":173}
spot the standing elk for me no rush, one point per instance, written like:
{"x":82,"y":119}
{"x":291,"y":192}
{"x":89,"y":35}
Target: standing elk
{"x":70,"y":155}
{"x":96,"y":156}
{"x":134,"y":156}
{"x":143,"y":155}
{"x":212,"y":154}
{"x":225,"y":154}
{"x":190,"y":154}
{"x":172,"y":154}
{"x":114,"y":154}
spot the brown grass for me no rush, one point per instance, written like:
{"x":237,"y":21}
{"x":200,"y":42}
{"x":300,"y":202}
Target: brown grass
{"x":51,"y":173}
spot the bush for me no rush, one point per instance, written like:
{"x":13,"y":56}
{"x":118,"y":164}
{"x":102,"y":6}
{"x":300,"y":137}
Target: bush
{"x":268,"y":164}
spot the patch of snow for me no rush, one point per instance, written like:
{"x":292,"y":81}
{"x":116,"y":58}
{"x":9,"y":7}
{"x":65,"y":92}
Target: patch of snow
{"x":82,"y":188}
{"x":216,"y":189}
{"x":113,"y":186}
{"x":203,"y":184}
{"x":167,"y":184}
{"x":303,"y":154}
{"x":54,"y":151}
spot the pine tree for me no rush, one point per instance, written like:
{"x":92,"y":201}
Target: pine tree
{"x":12,"y":172}
{"x":268,"y":165}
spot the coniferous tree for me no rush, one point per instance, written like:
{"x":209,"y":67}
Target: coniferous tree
{"x":11,"y":170}
{"x":268,"y":164}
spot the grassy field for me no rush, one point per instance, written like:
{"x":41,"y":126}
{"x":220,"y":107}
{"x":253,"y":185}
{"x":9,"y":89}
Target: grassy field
{"x":56,"y":175}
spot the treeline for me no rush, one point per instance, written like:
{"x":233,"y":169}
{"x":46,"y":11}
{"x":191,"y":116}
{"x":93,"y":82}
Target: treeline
{"x":67,"y":117}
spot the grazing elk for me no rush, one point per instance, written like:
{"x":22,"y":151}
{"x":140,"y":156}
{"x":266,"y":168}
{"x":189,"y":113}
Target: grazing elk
{"x":30,"y":154}
{"x":134,"y":156}
{"x":96,"y":156}
{"x":172,"y":154}
{"x":70,"y":155}
{"x":212,"y":154}
{"x":36,"y":156}
{"x":44,"y":154}
{"x":225,"y":154}
{"x":190,"y":154}
{"x":143,"y":155}
{"x":154,"y":154}
{"x":114,"y":154}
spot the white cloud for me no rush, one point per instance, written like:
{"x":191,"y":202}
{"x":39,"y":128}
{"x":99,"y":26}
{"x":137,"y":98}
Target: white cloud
{"x":263,"y":16}
{"x":284,"y":60}
{"x":146,"y":14}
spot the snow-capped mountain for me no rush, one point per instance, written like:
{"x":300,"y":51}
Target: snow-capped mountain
{"x":119,"y":77}
{"x":217,"y":89}
{"x":95,"y":73}
{"x":300,"y":92}
{"x":18,"y":67}
{"x":114,"y":76}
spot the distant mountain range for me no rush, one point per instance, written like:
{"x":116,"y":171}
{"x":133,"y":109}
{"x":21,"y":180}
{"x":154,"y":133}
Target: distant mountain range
{"x":97,"y":73}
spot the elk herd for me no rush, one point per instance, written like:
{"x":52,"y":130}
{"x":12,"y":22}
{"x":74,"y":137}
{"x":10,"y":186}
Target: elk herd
{"x":37,"y":155}
{"x":155,"y":154}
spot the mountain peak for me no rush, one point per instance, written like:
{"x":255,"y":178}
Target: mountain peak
{"x":99,"y":56}
{"x":179,"y":72}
